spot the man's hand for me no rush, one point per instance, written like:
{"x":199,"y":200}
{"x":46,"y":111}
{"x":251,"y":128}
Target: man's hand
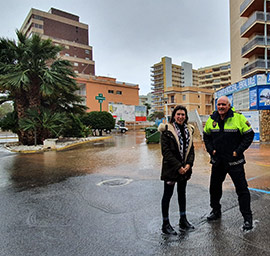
{"x":214,"y":152}
{"x":234,"y":153}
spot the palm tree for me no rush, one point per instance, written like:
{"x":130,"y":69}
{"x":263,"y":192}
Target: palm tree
{"x":32,"y":77}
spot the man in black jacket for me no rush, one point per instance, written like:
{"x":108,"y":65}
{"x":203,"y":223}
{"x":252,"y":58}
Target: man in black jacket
{"x":227,"y":134}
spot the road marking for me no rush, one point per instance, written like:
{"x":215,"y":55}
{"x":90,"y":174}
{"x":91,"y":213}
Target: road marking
{"x":260,"y":190}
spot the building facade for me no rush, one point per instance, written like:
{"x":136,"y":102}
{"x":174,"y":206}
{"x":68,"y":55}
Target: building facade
{"x":193,"y":98}
{"x":250,"y":38}
{"x":215,"y":77}
{"x":147,"y":100}
{"x":66,"y":30}
{"x":166,"y":75}
{"x":112,"y":91}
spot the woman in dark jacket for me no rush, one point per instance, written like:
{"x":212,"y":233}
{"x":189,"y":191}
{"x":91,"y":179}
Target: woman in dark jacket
{"x":178,"y":157}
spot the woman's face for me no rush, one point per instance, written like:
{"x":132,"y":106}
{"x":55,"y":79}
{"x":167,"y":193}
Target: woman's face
{"x":180,"y":116}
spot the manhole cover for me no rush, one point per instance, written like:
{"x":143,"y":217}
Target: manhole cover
{"x":115,"y":182}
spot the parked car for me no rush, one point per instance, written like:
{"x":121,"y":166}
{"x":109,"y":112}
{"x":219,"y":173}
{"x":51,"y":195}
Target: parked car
{"x":120,"y":128}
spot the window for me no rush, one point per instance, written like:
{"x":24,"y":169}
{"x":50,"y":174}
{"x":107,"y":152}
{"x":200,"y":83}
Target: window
{"x":37,"y":17}
{"x":110,"y":91}
{"x":66,"y":54}
{"x":76,"y":71}
{"x":241,"y":100}
{"x":38,"y":26}
{"x":184,"y":97}
{"x":87,"y":51}
{"x":172,"y":99}
{"x":82,"y":90}
{"x":119,"y":92}
{"x":87,"y":58}
{"x":76,"y":64}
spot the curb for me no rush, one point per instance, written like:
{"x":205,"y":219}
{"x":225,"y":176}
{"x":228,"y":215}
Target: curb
{"x":59,"y":148}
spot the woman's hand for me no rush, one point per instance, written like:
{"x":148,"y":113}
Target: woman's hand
{"x":183,"y":170}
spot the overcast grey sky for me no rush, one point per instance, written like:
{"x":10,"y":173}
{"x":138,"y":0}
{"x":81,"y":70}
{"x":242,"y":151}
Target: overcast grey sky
{"x":129,"y":36}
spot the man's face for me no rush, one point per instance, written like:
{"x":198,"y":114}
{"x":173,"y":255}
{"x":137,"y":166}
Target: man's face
{"x":223,"y":106}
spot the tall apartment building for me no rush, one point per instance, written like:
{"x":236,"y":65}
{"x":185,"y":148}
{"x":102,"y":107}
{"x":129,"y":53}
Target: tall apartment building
{"x":249,"y":26}
{"x":215,"y":77}
{"x":66,"y":30}
{"x":165,"y":75}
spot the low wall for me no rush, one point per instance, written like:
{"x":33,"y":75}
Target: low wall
{"x":138,"y":125}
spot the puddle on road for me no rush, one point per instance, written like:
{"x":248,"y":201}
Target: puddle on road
{"x":124,"y":155}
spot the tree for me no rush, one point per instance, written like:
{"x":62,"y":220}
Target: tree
{"x":33,"y":77}
{"x":75,"y":127}
{"x":148,"y":107}
{"x":156,"y":115}
{"x":46,"y":120}
{"x":99,"y":120}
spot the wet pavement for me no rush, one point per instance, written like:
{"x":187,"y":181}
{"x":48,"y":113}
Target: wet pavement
{"x":103,"y":198}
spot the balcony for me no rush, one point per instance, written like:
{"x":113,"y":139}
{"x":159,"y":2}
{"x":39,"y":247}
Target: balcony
{"x":157,"y":74}
{"x":255,"y":24}
{"x":253,"y":68}
{"x":249,"y":6}
{"x":254,"y":46}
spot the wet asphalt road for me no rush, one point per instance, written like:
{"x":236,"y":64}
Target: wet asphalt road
{"x":104,"y":199}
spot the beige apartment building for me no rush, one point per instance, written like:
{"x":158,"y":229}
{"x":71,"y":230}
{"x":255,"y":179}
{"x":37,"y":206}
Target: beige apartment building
{"x":166,"y":75}
{"x":181,"y":84}
{"x":215,"y":77}
{"x":193,"y":98}
{"x":250,"y":37}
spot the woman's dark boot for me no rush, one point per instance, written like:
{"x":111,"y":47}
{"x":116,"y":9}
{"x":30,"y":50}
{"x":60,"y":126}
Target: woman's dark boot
{"x":184,"y":224}
{"x":168,"y":229}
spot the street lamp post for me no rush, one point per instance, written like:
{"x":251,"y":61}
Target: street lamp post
{"x":265,"y":38}
{"x":166,"y":108}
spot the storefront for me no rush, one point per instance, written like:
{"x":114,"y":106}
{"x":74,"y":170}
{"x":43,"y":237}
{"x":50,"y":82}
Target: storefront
{"x":250,"y":96}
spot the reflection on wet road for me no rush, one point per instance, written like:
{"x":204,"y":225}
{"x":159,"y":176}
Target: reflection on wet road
{"x":125,"y":155}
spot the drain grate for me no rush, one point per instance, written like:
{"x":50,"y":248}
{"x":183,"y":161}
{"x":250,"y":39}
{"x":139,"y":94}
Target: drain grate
{"x":115,"y":182}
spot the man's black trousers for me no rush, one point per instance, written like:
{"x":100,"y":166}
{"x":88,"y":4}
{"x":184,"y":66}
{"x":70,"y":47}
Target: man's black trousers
{"x":237,"y":175}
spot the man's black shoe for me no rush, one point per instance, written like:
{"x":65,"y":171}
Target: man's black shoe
{"x":184,"y":224}
{"x":247,"y":225}
{"x":168,"y":229}
{"x":214,"y":215}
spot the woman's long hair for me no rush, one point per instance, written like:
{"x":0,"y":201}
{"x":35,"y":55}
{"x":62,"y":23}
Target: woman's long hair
{"x":179,"y":107}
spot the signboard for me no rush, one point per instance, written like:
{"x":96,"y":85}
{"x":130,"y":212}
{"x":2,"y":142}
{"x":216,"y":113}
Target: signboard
{"x":127,"y":112}
{"x":100,"y":99}
{"x":242,"y":85}
{"x":140,"y":113}
{"x":253,"y":98}
{"x":253,"y":118}
{"x":122,"y":112}
{"x":264,"y":98}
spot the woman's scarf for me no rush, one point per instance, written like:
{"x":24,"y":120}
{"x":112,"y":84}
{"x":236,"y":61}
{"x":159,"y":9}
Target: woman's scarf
{"x":179,"y":134}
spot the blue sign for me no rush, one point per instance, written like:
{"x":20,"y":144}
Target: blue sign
{"x":253,"y":98}
{"x":242,"y":85}
{"x":268,"y":78}
{"x":264,"y":98}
